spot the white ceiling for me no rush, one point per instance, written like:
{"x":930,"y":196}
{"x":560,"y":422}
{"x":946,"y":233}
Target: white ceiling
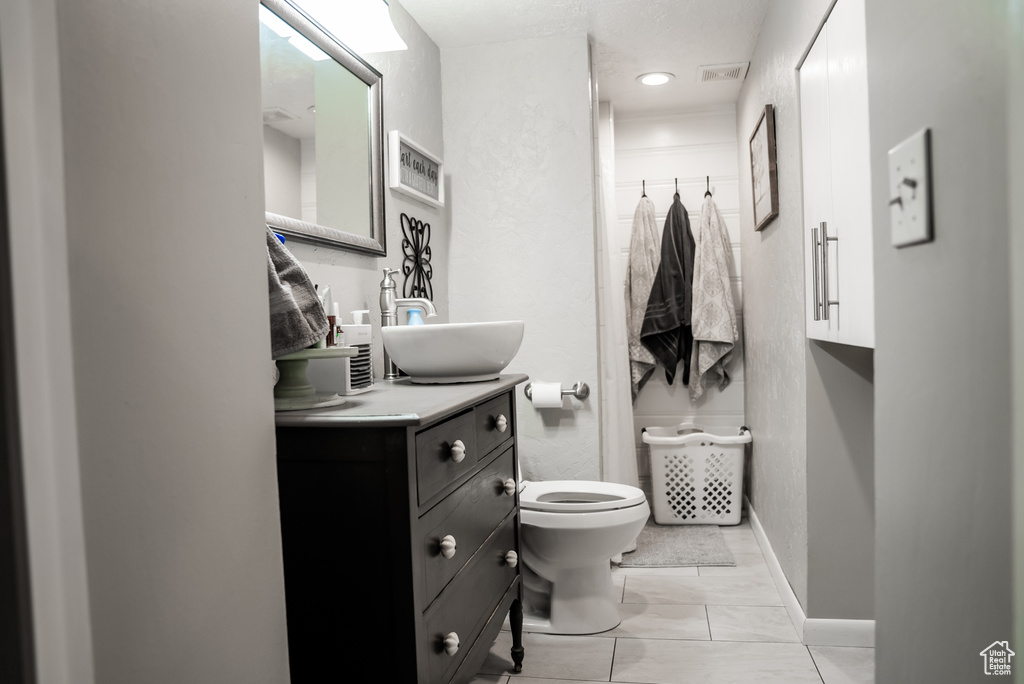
{"x":630,"y":37}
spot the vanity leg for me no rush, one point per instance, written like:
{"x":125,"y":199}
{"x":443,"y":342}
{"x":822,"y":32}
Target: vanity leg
{"x":515,"y":619}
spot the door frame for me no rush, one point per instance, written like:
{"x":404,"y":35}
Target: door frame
{"x":17,"y":664}
{"x":43,"y":370}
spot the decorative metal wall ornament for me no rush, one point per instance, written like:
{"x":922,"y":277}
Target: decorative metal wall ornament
{"x":416,"y":264}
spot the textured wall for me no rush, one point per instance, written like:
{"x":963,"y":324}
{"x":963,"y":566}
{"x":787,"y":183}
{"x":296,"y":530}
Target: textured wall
{"x":840,"y":393}
{"x":517,"y":127}
{"x":170,"y":335}
{"x":412,"y":105}
{"x":658,"y":150}
{"x":943,"y":416}
{"x":810,"y":405}
{"x":773,"y":274}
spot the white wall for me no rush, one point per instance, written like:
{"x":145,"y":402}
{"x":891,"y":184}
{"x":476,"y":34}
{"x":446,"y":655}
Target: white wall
{"x":688,"y":146}
{"x":810,"y":405}
{"x":943,"y":418}
{"x":775,"y":343}
{"x":412,"y":105}
{"x":170,"y":338}
{"x":1015,"y":79}
{"x":519,"y":155}
{"x":840,"y":482}
{"x":282,"y":156}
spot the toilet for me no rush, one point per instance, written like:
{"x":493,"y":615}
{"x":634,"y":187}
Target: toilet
{"x":570,"y":531}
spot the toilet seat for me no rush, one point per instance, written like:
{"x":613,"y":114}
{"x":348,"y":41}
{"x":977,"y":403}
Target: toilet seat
{"x":578,"y":496}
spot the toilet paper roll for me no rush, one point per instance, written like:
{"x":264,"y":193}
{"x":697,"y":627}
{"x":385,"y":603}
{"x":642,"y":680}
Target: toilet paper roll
{"x":546,"y":394}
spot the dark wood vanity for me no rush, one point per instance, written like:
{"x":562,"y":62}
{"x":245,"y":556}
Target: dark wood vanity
{"x":400,"y":529}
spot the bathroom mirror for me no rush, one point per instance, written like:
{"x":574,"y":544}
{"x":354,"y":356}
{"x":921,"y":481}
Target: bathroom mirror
{"x":322,"y":134}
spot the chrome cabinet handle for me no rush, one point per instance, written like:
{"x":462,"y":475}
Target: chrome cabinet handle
{"x":511,"y":559}
{"x":451,"y":643}
{"x":448,"y":546}
{"x":501,"y":423}
{"x":458,"y":451}
{"x":824,"y":270}
{"x":816,"y":280}
{"x":826,"y":303}
{"x":510,"y":486}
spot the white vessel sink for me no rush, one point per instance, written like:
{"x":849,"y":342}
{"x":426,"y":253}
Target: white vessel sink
{"x":453,"y":352}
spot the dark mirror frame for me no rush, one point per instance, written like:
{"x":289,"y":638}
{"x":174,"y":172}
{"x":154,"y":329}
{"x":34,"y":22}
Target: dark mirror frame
{"x":376,"y":243}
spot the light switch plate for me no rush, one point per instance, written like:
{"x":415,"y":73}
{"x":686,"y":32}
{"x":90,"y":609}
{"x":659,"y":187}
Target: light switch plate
{"x":910,"y":190}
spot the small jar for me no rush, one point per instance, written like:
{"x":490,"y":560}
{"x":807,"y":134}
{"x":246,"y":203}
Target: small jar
{"x":415,"y":317}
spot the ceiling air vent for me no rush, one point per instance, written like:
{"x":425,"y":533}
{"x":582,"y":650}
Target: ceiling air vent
{"x":722,"y":72}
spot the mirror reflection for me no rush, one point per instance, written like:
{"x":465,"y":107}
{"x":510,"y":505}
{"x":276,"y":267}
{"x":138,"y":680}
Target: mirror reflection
{"x":321,"y":134}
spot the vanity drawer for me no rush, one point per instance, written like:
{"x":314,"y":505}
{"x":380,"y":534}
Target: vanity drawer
{"x":465,"y":605}
{"x":468,"y":516}
{"x":444,"y":452}
{"x":494,"y":423}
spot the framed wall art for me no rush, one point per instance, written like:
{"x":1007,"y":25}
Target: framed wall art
{"x":414,"y":171}
{"x":763,"y":169}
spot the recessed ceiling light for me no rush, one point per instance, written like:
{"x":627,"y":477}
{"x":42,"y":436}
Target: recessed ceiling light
{"x":655,"y":78}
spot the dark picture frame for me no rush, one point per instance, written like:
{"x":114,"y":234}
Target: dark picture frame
{"x":764,"y":172}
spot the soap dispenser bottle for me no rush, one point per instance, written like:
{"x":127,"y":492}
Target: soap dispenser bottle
{"x":388,"y":316}
{"x":415,"y":317}
{"x":388,"y":300}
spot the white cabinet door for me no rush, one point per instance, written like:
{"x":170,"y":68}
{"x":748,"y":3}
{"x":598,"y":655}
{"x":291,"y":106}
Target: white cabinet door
{"x":839,"y":269}
{"x":851,"y":172}
{"x":817,"y":171}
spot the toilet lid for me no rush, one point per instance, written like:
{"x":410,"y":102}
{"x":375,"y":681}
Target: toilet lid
{"x":578,"y":496}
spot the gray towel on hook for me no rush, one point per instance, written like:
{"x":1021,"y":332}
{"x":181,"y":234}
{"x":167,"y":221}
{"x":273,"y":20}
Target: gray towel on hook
{"x":644,"y":256}
{"x":715,"y":329}
{"x":297,"y":318}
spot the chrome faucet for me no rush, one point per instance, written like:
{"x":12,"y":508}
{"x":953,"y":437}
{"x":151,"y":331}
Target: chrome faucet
{"x":389,"y":305}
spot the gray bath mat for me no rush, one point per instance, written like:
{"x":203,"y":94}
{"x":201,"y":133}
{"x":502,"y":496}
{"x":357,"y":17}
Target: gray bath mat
{"x":671,"y":546}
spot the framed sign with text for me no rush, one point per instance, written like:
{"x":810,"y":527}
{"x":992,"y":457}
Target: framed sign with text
{"x":414,"y":171}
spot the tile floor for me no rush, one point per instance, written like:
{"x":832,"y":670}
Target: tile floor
{"x":681,"y":625}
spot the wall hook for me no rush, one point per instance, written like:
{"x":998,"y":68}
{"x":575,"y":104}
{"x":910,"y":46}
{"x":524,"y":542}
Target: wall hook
{"x":643,"y":192}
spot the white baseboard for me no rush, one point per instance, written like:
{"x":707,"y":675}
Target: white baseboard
{"x":812,"y":631}
{"x":823,"y":632}
{"x":789,"y":599}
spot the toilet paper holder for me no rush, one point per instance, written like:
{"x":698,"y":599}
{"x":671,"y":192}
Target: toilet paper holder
{"x":580,"y":390}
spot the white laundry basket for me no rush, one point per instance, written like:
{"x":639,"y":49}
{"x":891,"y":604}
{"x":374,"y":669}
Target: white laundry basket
{"x":697,"y":473}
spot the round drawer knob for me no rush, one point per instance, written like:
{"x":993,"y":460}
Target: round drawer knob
{"x":458,"y":451}
{"x":501,"y":423}
{"x":510,"y":486}
{"x":448,"y":546}
{"x":451,"y":643}
{"x":511,"y":559}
